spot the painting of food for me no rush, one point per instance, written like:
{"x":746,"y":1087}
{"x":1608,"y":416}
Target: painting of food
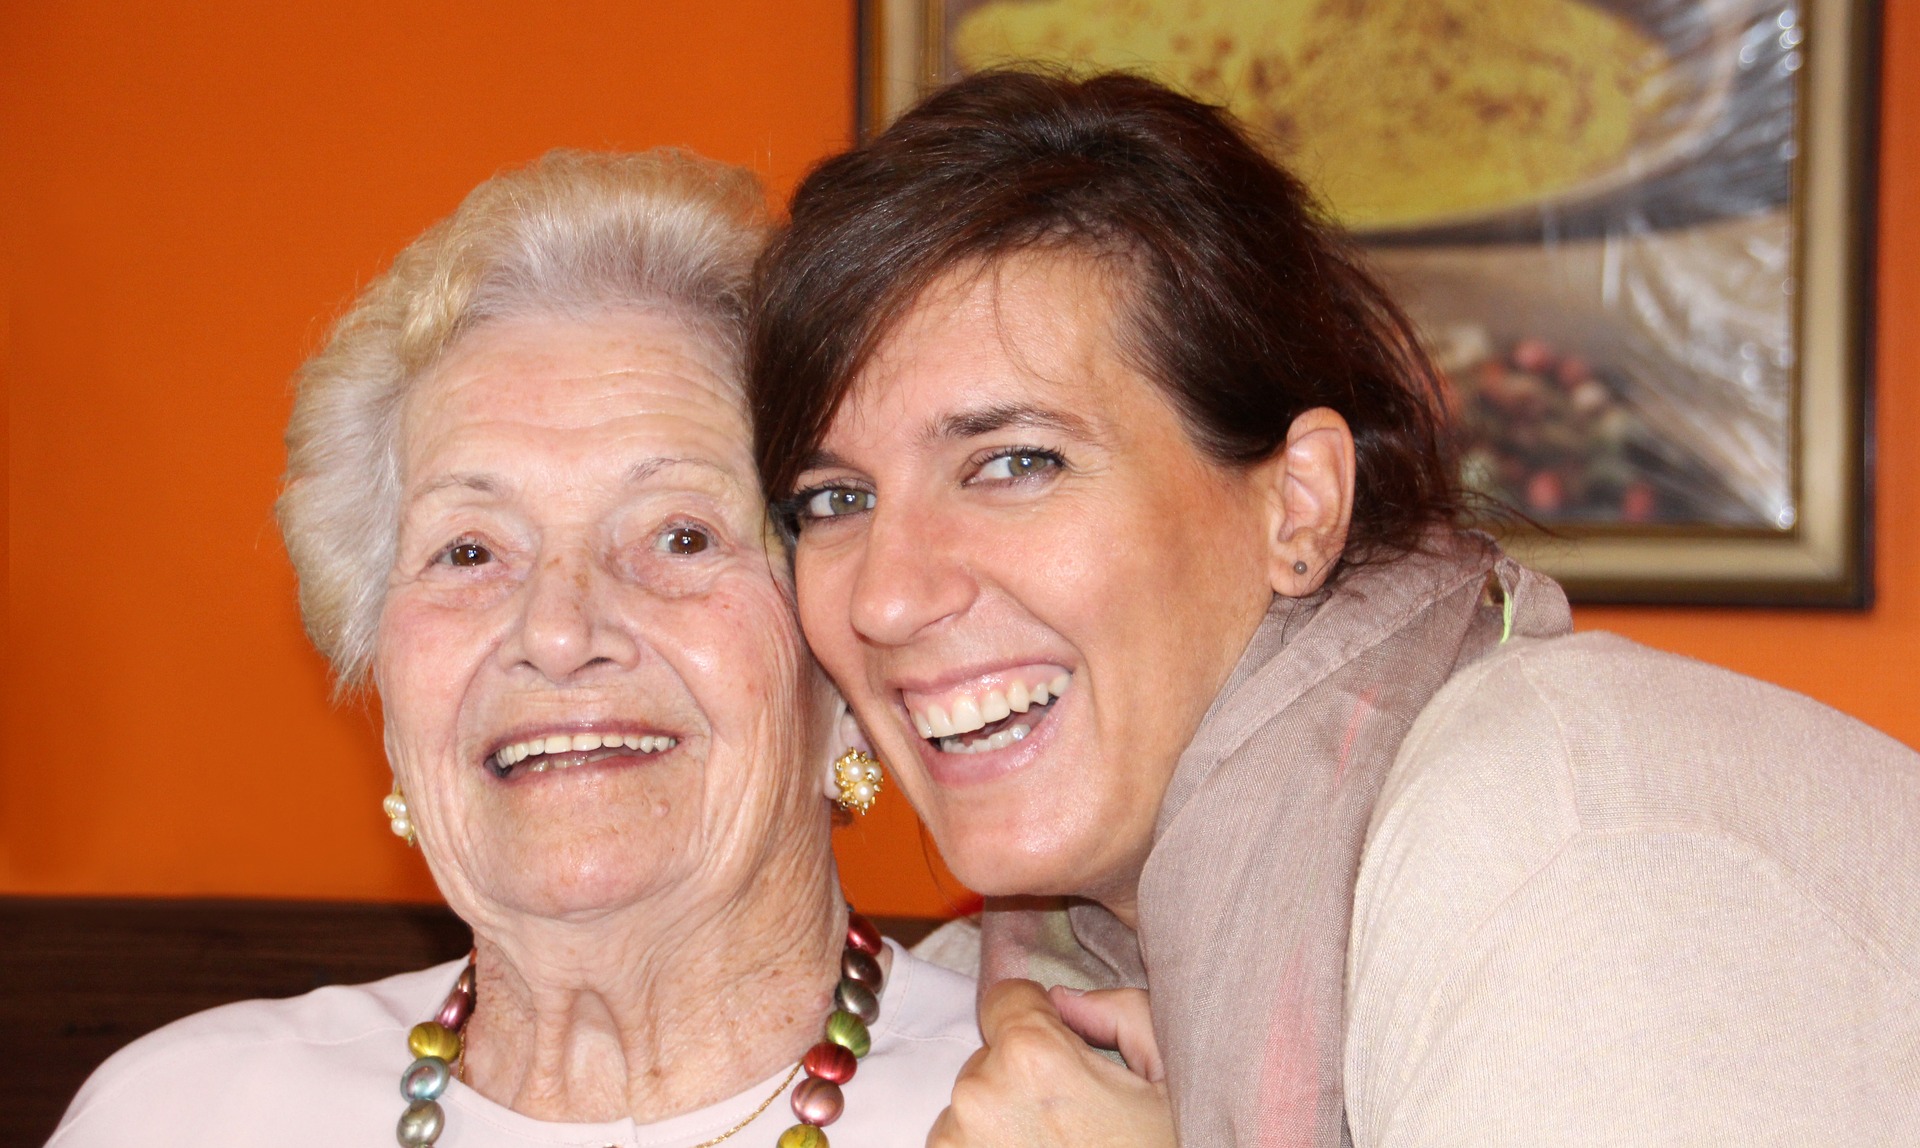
{"x":1466,"y":105}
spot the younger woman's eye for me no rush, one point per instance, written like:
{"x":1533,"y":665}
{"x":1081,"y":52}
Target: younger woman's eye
{"x":684,"y":540}
{"x":1017,"y":464}
{"x":835,"y":501}
{"x":467,"y":554}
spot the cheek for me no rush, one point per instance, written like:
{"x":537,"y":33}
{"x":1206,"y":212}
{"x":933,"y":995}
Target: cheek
{"x":426,"y":654}
{"x":823,"y":595}
{"x":1157,"y":588}
{"x":739,"y":651}
{"x":1194,"y":536}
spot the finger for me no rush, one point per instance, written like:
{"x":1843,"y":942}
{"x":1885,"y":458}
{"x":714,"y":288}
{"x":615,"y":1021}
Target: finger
{"x":1117,"y":1019}
{"x":1015,"y":1003}
{"x":945,"y":1132}
{"x":975,"y":1064}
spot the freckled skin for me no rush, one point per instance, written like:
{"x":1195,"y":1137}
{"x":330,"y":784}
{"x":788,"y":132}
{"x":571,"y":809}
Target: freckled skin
{"x":1140,"y":564}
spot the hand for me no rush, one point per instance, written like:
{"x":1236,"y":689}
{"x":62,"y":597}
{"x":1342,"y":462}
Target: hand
{"x":1037,"y":1081}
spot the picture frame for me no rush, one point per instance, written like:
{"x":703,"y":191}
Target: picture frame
{"x":1754,"y":476}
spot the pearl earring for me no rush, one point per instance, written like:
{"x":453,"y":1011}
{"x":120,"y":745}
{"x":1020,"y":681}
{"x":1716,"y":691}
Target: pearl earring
{"x":398,"y":817}
{"x":857,"y":779}
{"x":1300,"y":568}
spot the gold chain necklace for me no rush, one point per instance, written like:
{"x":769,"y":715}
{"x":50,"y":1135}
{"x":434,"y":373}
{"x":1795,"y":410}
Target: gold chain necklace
{"x":818,"y":1101}
{"x":756,"y":1112}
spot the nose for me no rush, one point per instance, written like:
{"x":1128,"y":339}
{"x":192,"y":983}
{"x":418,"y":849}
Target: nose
{"x":567,"y":626}
{"x":910,"y":578}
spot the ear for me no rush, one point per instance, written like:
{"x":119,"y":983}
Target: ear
{"x":1309,"y":488}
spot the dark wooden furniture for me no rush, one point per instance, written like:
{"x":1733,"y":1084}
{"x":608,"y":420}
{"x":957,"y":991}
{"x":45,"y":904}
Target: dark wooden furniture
{"x":79,"y":978}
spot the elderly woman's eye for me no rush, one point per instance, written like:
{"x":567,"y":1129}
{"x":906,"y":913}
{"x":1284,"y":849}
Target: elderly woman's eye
{"x":1017,"y":464}
{"x":684,"y":540}
{"x":835,"y":501}
{"x":468,"y":554}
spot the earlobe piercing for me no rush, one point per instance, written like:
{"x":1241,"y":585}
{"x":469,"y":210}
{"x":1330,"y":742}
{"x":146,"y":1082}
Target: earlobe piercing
{"x":1300,"y":568}
{"x":857,"y":778}
{"x":399,"y":818}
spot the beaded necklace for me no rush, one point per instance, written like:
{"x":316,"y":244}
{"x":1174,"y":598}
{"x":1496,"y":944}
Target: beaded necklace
{"x":817,"y":1101}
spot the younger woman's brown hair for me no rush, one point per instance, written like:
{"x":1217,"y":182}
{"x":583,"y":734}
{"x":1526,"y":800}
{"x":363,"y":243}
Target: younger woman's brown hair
{"x":1248,"y":307}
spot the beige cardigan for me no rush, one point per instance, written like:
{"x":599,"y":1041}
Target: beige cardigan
{"x":1613,"y":896}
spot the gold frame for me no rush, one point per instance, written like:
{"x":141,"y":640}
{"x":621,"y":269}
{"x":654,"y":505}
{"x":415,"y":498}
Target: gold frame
{"x":1825,"y":559}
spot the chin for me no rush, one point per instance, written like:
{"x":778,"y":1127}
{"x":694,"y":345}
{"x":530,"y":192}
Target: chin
{"x":582,"y":875}
{"x":1003,"y":858}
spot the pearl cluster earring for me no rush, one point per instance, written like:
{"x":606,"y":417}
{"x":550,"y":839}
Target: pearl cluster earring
{"x":399,"y":818}
{"x":857,"y":777}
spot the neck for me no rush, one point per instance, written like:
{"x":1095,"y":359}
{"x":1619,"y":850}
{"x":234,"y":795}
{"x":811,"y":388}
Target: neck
{"x":1117,"y":889}
{"x":659,"y":1008}
{"x":1126,"y":909}
{"x":1121,"y":897}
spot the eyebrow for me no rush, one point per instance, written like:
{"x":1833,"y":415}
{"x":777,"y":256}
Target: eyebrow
{"x":820,"y":458}
{"x":968,"y":424}
{"x":640,"y":472}
{"x":647,"y":469}
{"x":1000,"y":416}
{"x":483,"y":483}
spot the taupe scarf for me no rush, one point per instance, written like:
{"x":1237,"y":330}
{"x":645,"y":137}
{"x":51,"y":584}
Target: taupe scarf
{"x":1247,"y":897}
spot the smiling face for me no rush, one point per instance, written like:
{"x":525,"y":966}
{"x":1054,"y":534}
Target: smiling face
{"x":594,"y":688}
{"x":1024,"y":576}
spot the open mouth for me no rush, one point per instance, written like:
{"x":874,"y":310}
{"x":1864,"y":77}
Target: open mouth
{"x":567,"y":750}
{"x":991,"y":713}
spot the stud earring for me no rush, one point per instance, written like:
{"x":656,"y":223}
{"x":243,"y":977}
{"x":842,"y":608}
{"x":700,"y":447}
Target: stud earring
{"x":1300,"y":568}
{"x":399,"y":819}
{"x":857,"y":779}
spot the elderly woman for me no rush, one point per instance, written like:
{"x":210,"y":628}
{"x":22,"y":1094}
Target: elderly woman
{"x":521,"y":501}
{"x":1125,"y":519}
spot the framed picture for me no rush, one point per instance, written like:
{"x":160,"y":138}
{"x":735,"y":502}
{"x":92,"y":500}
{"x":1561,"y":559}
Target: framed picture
{"x":1636,"y":235}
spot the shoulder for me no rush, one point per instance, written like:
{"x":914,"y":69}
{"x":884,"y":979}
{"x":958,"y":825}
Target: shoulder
{"x":1597,"y":734}
{"x":210,"y":1078}
{"x":1596,"y":870}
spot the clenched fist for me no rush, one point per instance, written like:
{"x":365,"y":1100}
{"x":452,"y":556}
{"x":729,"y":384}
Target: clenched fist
{"x":1038,"y":1081}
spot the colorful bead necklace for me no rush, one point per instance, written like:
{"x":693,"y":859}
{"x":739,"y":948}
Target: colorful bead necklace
{"x":818,"y":1101}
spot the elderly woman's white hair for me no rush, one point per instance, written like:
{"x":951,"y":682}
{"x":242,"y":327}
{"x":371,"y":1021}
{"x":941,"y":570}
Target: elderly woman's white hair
{"x":572,"y":234}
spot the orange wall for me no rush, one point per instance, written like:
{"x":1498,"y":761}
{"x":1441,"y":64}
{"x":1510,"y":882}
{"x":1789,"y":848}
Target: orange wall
{"x":190,"y":190}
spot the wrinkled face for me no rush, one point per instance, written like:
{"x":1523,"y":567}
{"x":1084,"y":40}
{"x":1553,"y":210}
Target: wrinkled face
{"x":1024,"y":576}
{"x":594,"y":688}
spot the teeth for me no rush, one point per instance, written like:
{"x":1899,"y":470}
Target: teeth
{"x":1001,"y":740}
{"x":511,"y":755}
{"x":966,"y":714}
{"x":995,"y":707}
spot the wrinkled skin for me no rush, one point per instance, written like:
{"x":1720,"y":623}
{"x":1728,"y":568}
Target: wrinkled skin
{"x":583,"y":547}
